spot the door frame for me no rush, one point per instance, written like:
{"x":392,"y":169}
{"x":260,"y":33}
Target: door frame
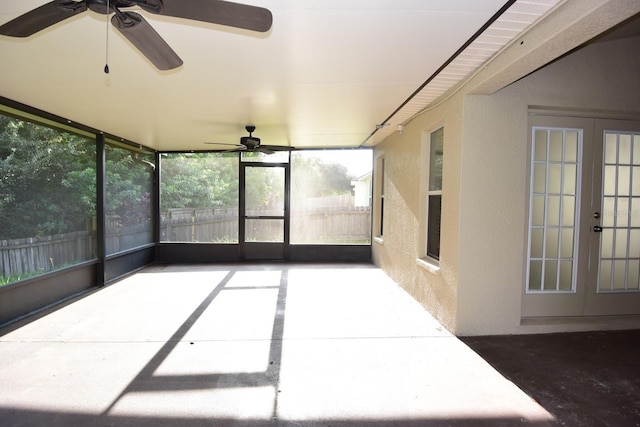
{"x":562,"y":303}
{"x":584,"y":299}
{"x":612,"y":302}
{"x":263,"y":251}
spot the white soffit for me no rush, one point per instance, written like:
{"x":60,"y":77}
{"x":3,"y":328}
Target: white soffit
{"x":503,"y":31}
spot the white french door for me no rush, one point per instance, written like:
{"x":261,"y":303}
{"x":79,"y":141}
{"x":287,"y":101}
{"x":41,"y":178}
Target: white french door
{"x":614,"y":288}
{"x":583,"y":254}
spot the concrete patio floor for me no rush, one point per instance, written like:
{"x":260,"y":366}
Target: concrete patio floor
{"x":251,"y":345}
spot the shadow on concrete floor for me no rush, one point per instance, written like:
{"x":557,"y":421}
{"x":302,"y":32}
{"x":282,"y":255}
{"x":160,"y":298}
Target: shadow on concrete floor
{"x":583,"y":379}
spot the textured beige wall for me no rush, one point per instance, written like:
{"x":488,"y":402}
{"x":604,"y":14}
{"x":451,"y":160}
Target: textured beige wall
{"x":600,"y":78}
{"x":483,"y":245}
{"x":494,"y":188}
{"x":401,"y":247}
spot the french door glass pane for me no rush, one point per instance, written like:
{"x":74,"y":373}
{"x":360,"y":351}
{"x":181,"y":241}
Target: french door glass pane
{"x":634,"y":243}
{"x":606,"y":243}
{"x":569,"y":179}
{"x":605,"y":274}
{"x":610,"y":149}
{"x":566,"y":276}
{"x":552,"y":240}
{"x":619,"y":240}
{"x":571,"y":146}
{"x":553,"y":209}
{"x":609,"y":185}
{"x":555,"y":178}
{"x":540,"y":146}
{"x":624,"y":179}
{"x":620,"y":275}
{"x":537,"y":236}
{"x":540,"y":178}
{"x":635,"y":212}
{"x":537,"y":211}
{"x":624,"y":149}
{"x":568,"y":211}
{"x":535,"y":275}
{"x":550,"y":275}
{"x":622,"y":214}
{"x":634,"y":273}
{"x":566,"y":251}
{"x":556,"y":145}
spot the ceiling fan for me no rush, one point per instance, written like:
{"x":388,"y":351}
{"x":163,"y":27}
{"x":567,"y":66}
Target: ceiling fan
{"x":251,"y":144}
{"x":135,"y":28}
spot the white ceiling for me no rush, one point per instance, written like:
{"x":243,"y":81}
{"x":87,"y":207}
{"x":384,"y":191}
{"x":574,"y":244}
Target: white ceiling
{"x":326,"y":74}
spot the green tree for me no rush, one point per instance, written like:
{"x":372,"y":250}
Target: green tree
{"x":313,"y":177}
{"x":128,"y":187}
{"x":199,"y":180}
{"x":47,"y":180}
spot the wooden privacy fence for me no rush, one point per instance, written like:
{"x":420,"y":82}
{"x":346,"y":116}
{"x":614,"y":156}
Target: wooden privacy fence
{"x":35,"y":255}
{"x":122,"y":238}
{"x":322,"y":220}
{"x":346,"y":225}
{"x":199,"y":225}
{"x":39,"y":254}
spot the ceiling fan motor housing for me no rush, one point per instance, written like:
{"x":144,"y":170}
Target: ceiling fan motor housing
{"x":250,"y":142}
{"x":107,"y":7}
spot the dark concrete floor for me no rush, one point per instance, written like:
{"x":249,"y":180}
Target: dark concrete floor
{"x":583,"y":379}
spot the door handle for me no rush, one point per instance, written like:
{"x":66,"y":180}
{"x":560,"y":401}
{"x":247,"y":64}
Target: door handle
{"x":597,"y":229}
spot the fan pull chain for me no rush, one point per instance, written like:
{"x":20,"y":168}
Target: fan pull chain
{"x":106,"y":65}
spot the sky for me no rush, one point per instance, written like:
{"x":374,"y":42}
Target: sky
{"x":357,"y":161}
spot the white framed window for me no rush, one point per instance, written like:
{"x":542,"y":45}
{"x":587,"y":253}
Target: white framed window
{"x":434,"y":194}
{"x":379,"y":191}
{"x":554,"y":201}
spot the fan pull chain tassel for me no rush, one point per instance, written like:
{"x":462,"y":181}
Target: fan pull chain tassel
{"x":106,"y":65}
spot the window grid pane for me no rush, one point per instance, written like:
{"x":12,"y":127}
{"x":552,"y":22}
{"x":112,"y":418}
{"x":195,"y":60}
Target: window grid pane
{"x":553,"y":216}
{"x":619,"y":246}
{"x":435,"y":160}
{"x":433,"y":237}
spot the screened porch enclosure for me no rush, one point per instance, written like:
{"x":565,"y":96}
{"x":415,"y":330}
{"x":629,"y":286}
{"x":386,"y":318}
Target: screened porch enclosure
{"x":80,"y":209}
{"x":328,"y":204}
{"x":312,"y":199}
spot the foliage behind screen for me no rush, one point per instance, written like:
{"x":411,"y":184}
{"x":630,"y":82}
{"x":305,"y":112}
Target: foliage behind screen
{"x":47,"y":180}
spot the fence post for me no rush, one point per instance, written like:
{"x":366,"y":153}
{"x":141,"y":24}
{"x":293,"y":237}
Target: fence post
{"x":193,"y":225}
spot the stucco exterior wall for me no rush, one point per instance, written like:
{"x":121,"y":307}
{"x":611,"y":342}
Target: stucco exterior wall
{"x":404,"y":155}
{"x":478,"y":288}
{"x":600,"y":79}
{"x":494,"y":187}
